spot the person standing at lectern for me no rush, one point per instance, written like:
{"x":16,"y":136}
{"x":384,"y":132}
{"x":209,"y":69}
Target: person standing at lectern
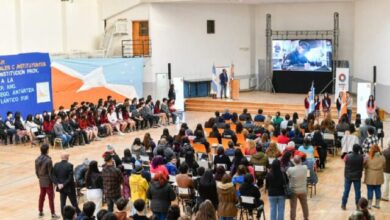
{"x":223,"y":79}
{"x":171,"y":92}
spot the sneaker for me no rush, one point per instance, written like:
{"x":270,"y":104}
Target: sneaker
{"x":41,"y":215}
{"x":121,"y":134}
{"x":384,"y":199}
{"x":54,"y":216}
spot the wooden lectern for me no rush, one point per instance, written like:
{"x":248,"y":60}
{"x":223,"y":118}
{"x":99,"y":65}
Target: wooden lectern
{"x":235,"y":89}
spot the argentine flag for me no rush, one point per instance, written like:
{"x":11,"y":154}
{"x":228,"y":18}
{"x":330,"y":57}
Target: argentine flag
{"x":311,"y":98}
{"x":214,"y":83}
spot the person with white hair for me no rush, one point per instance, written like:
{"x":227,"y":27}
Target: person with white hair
{"x":63,"y":179}
{"x":386,"y":172}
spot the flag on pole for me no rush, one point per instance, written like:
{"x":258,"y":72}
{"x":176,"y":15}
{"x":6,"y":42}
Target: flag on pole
{"x":311,"y":98}
{"x":214,"y":83}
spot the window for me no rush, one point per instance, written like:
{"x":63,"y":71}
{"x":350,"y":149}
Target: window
{"x":210,"y":26}
{"x":144,"y":28}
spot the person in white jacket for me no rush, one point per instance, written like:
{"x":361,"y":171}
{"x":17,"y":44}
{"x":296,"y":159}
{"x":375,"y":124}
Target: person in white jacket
{"x":113,"y":119}
{"x":348,"y":141}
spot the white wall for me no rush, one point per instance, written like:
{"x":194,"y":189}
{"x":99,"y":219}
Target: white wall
{"x":137,"y":13}
{"x":178,"y":34}
{"x":111,"y":8}
{"x":49,"y":26}
{"x":372,"y":34}
{"x":308,"y":16}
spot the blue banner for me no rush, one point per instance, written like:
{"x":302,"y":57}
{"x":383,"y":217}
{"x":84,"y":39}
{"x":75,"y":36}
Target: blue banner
{"x":25,"y":83}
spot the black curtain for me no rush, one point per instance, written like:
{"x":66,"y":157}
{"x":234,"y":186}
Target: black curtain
{"x":300,"y":81}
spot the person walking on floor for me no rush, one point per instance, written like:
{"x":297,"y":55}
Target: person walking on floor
{"x":43,"y":170}
{"x":386,"y":172}
{"x":63,"y":179}
{"x":374,"y":175}
{"x":352,"y":174}
{"x":297,"y":176}
{"x":112,"y":181}
{"x":223,"y":80}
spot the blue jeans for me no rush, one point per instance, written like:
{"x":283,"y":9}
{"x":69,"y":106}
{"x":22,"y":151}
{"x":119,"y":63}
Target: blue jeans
{"x":374,"y":188}
{"x":277,"y":207}
{"x":226,"y":218}
{"x":159,"y":215}
{"x":65,"y":139}
{"x":347,"y":188}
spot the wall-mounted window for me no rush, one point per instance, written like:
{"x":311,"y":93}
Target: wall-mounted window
{"x":210,"y":26}
{"x":144,"y":28}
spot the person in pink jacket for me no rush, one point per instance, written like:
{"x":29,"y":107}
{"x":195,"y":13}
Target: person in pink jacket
{"x":158,"y":166}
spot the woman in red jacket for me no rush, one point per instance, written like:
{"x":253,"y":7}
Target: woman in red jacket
{"x":92,"y":124}
{"x":126,"y":116}
{"x":104,"y":122}
{"x":83,"y":124}
{"x":158,"y":112}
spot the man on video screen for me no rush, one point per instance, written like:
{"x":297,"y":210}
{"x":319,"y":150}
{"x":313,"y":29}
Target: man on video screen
{"x":297,"y":60}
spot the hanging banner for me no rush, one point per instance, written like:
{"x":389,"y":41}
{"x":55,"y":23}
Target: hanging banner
{"x":25,"y":83}
{"x":76,"y":80}
{"x":342,"y":80}
{"x":363,"y":93}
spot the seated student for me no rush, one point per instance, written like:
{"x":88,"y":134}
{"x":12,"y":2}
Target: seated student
{"x":103,"y":121}
{"x":121,"y":205}
{"x":286,"y":123}
{"x":218,"y":118}
{"x":113,"y":119}
{"x":199,"y":139}
{"x":20,"y":128}
{"x":259,"y":117}
{"x":282,"y":138}
{"x":226,"y":115}
{"x":158,"y":166}
{"x":157,"y":112}
{"x":251,"y":149}
{"x":222,"y":158}
{"x":228,"y":133}
{"x":137,"y":117}
{"x":260,"y":159}
{"x":60,"y":133}
{"x":199,"y":128}
{"x":215,"y":134}
{"x":69,"y":213}
{"x":165,"y":109}
{"x":170,"y":165}
{"x":184,"y":180}
{"x":238,"y":178}
{"x":249,"y":189}
{"x":277,"y":120}
{"x":248,"y":124}
{"x":3,"y":131}
{"x":245,"y":115}
{"x":88,"y":210}
{"x":230,"y":151}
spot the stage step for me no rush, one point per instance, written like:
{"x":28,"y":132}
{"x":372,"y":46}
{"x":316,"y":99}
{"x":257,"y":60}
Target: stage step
{"x":212,"y":105}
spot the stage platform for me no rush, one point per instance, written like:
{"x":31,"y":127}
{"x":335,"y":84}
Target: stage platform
{"x":269,"y":102}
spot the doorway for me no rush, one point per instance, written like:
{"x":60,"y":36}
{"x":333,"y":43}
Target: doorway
{"x":141,"y":41}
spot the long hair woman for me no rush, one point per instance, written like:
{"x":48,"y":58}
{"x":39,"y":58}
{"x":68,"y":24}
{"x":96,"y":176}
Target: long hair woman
{"x":371,"y":106}
{"x":94,"y":184}
{"x":206,"y":211}
{"x":274,"y":182}
{"x":373,"y":177}
{"x":362,"y":213}
{"x":208,"y":188}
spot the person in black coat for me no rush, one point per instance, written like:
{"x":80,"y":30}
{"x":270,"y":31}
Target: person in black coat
{"x":250,"y":190}
{"x":80,"y":134}
{"x":318,"y":141}
{"x":221,"y":158}
{"x":274,"y":183}
{"x":171,"y":92}
{"x":215,"y":134}
{"x":208,"y":188}
{"x":199,"y":139}
{"x":228,"y":133}
{"x":63,"y":179}
{"x":160,"y":194}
